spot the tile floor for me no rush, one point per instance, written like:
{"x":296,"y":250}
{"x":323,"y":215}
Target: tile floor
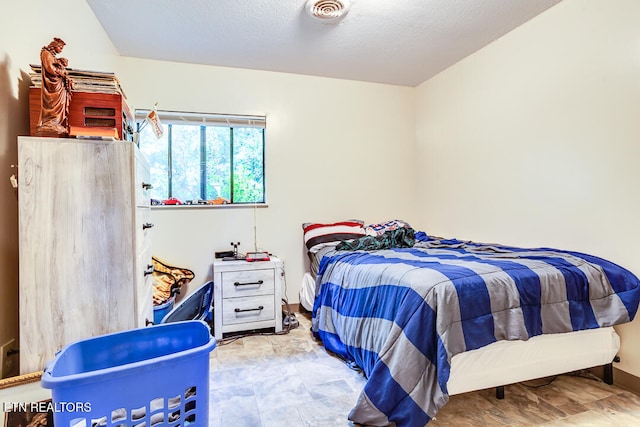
{"x":280,"y":380}
{"x":290,"y":380}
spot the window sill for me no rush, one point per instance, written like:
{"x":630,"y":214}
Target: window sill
{"x":225,"y":206}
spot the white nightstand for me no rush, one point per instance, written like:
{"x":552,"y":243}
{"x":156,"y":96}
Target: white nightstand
{"x":247,"y":295}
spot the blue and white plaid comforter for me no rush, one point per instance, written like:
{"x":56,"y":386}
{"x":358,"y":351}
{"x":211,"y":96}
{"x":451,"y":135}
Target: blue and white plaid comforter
{"x":402,"y":314}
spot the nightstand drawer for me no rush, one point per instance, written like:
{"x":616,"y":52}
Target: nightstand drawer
{"x":249,"y":309}
{"x":247,"y":283}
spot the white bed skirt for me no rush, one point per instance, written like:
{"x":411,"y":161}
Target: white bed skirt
{"x":509,"y":362}
{"x":307,"y":291}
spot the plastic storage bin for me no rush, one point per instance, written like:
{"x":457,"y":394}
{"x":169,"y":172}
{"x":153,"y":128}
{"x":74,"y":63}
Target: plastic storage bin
{"x":157,"y":375}
{"x":159,"y":311}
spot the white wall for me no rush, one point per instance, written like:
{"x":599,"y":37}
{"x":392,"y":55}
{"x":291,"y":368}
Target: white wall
{"x":335,"y":149}
{"x":534,"y":140}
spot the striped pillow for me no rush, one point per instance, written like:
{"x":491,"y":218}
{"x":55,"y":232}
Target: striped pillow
{"x":318,"y":235}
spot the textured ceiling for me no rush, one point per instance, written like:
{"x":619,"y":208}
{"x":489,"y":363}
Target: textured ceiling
{"x":401,"y":42}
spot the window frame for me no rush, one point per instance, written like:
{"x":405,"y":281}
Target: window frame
{"x":205,"y":120}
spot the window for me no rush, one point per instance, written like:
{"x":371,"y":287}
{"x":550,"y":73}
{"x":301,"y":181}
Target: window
{"x":202,"y":157}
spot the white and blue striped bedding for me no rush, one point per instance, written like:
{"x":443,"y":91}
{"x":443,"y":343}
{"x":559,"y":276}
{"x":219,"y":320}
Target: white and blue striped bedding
{"x":402,"y":314}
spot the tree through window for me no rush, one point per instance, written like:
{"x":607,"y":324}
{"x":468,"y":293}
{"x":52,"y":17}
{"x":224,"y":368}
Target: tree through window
{"x":201,"y":157}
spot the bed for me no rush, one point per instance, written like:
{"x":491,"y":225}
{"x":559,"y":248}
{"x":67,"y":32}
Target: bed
{"x":442,"y":316}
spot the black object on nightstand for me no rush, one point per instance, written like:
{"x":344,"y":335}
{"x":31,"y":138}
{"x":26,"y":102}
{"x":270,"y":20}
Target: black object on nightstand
{"x":224,"y":254}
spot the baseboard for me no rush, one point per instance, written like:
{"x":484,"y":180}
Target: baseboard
{"x":294,"y":307}
{"x":626,"y":380}
{"x":620,"y":378}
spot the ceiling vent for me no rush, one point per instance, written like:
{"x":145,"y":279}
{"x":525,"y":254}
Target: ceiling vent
{"x":327,"y":10}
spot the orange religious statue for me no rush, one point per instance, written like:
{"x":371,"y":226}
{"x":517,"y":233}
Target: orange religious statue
{"x":56,"y":92}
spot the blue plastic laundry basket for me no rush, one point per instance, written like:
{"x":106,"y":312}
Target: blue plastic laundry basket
{"x":159,"y":311}
{"x":157,"y":375}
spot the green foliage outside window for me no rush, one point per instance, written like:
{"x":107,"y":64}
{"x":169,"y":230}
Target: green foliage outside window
{"x":203,"y":162}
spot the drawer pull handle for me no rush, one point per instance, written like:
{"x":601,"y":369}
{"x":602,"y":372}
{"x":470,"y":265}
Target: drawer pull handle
{"x":259,"y":282}
{"x":149,"y":270}
{"x":147,"y":225}
{"x":146,"y":186}
{"x":238,"y":310}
